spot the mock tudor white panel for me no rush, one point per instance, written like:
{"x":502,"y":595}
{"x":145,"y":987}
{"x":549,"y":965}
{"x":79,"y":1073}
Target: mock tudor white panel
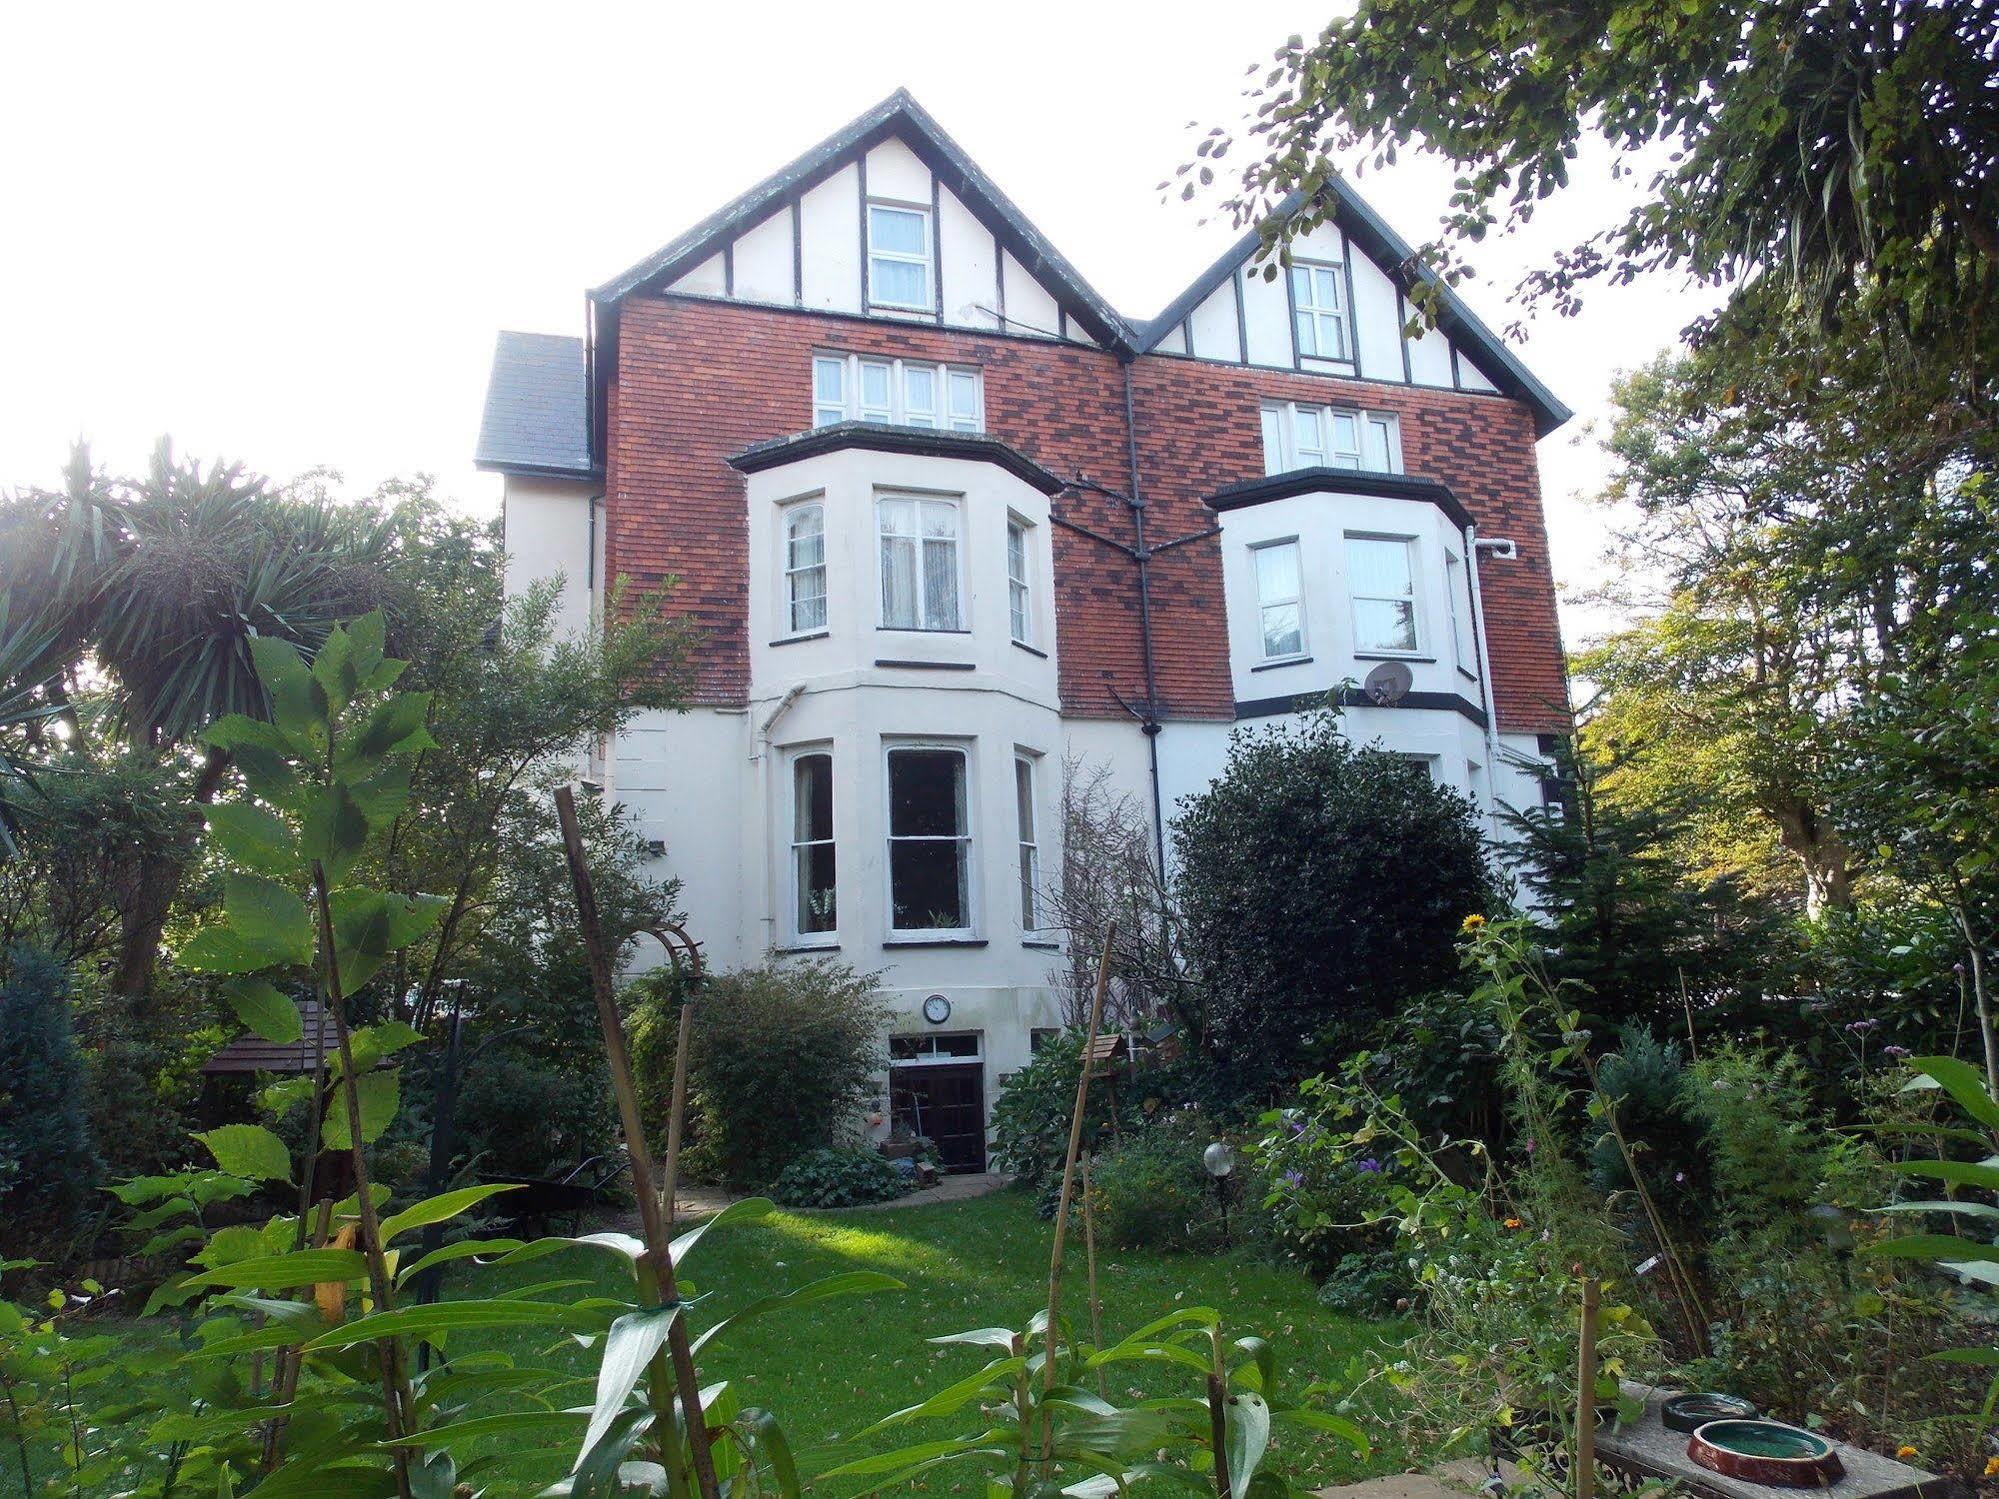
{"x":830,"y":220}
{"x":1266,"y":317}
{"x":1377,"y":321}
{"x":708,"y":279}
{"x":1214,"y":328}
{"x":764,"y":262}
{"x":1029,"y":306}
{"x":970,"y":271}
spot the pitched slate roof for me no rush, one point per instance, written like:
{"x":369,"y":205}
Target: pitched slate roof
{"x":537,"y":408}
{"x":1397,"y":258}
{"x":897,"y":115}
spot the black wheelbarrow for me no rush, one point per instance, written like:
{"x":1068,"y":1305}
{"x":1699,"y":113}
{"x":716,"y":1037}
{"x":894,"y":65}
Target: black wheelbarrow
{"x":540,"y":1201}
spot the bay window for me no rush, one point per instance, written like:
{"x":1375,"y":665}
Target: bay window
{"x":805,"y":567}
{"x":903,"y":392}
{"x":929,"y":840}
{"x":1381,"y":581}
{"x":919,"y":563}
{"x":1280,"y":599}
{"x":1019,"y":590}
{"x":898,"y":256}
{"x":815,"y":904}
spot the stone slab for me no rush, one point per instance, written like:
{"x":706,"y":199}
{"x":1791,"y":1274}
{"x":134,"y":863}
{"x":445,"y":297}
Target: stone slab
{"x":1645,"y":1447}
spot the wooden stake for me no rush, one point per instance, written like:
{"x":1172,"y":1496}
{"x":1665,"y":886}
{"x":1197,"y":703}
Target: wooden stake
{"x":1069,"y":1185}
{"x":1090,"y":1255}
{"x":678,"y":1109}
{"x":1585,"y":1485}
{"x":659,"y":1253}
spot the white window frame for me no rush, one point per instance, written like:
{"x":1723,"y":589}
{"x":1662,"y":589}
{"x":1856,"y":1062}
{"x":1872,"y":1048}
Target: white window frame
{"x":967,"y":839}
{"x":1256,"y":592}
{"x":1342,"y":441}
{"x":788,"y":516}
{"x":1026,"y":786}
{"x":1020,"y":579}
{"x":798,"y":847}
{"x":1413,"y":598}
{"x":952,"y":384}
{"x":961,"y":600}
{"x":920,"y":259}
{"x":1309,"y":312}
{"x":1457,"y":590}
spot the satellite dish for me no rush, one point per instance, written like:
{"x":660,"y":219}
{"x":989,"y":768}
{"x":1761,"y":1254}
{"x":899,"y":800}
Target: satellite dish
{"x":1387,"y":684}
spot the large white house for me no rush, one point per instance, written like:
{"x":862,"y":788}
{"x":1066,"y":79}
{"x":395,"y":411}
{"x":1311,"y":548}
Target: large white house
{"x":945,"y":520}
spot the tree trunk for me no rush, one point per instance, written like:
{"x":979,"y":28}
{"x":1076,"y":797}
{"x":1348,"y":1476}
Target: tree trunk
{"x":156,"y":883}
{"x":1821,"y":853}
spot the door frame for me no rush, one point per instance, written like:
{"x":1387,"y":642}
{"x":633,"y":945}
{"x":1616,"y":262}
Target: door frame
{"x":974,"y":1068}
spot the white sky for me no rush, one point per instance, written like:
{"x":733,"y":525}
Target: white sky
{"x":287,"y":234}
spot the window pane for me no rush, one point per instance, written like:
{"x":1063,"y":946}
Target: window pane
{"x":874,"y":392}
{"x":1308,"y":333}
{"x":1282,"y":635}
{"x":818,"y":908}
{"x":940,"y":584}
{"x":829,"y":380}
{"x":808,"y":536}
{"x":812,"y":778}
{"x":1030,"y":876}
{"x":919,"y":395}
{"x":1277,"y":571}
{"x":1346,"y":439}
{"x":1377,"y":568}
{"x":927,"y":885}
{"x":1273,"y":440}
{"x":1326,"y":287}
{"x":899,"y":606}
{"x":813,"y":849}
{"x":1023,"y":797}
{"x":1379,"y":451}
{"x":1308,"y":426}
{"x":902,"y":230}
{"x":926,"y":793}
{"x":900,"y":283}
{"x":1384,"y":625}
{"x":964,"y":400}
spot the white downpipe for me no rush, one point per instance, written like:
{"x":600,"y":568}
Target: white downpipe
{"x":1484,"y":675}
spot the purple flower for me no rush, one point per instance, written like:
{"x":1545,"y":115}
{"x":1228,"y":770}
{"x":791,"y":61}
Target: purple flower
{"x":1530,"y":1145}
{"x":1861,"y":1027}
{"x":1369,"y":1164}
{"x":1294,"y":1179}
{"x":1297,"y":1126}
{"x":1894,"y":1051}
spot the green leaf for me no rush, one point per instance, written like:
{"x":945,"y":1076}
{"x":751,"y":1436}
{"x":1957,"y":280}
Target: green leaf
{"x":369,"y":925}
{"x":464,"y":1249}
{"x":628,"y":1348}
{"x":335,"y":831}
{"x":237,"y":732}
{"x":1965,"y":1209}
{"x":444,"y":1316}
{"x":382,"y":796}
{"x":1963,"y":1083}
{"x":1958,"y":1173}
{"x":921,"y":1454}
{"x":596,"y":1475}
{"x":334,"y":670}
{"x":378,"y":1094}
{"x":1248,"y":1439}
{"x":1942,"y":1248}
{"x":1260,"y":1374}
{"x":745,"y":1210}
{"x":396,"y":726}
{"x":768,"y":1443}
{"x":438,"y":1209}
{"x":277,"y":1272}
{"x":269,"y":917}
{"x":250,"y":1151}
{"x":254,"y":838}
{"x":263,"y":1010}
{"x":507,"y":1424}
{"x":296,"y":707}
{"x":954,"y":1397}
{"x":1325,"y":1421}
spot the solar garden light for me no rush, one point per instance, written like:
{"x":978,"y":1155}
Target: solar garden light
{"x":1218,"y":1160}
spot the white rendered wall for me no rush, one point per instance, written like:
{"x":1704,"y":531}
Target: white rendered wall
{"x":763,"y":261}
{"x":830,"y":229}
{"x":546,"y":533}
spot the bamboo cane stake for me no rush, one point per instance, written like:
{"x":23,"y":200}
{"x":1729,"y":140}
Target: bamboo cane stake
{"x":659,"y":1253}
{"x":398,"y":1401}
{"x":1068,"y":1189}
{"x":1586,"y":1394}
{"x":678,"y":1110}
{"x":1090,"y":1255}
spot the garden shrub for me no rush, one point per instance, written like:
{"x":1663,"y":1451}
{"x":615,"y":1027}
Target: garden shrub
{"x":839,"y":1179}
{"x":1031,"y":1118}
{"x":781,"y":1057}
{"x":1319,"y":884}
{"x":1149,"y":1190}
{"x":522,"y":1114}
{"x":51,"y":1166}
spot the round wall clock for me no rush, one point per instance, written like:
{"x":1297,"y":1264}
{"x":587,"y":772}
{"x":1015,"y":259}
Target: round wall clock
{"x":936,"y":1009}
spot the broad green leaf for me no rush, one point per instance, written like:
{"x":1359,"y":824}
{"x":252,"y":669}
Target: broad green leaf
{"x":383,"y":795}
{"x":219,"y":949}
{"x":335,"y":831}
{"x":1965,"y":1209}
{"x":626,"y":1249}
{"x":920,"y":1454}
{"x":237,"y":732}
{"x":296,"y":707}
{"x":378,"y":1094}
{"x":736,"y":1212}
{"x":1964,"y":1083}
{"x":267,"y":915}
{"x":366,"y":636}
{"x":464,"y":1249}
{"x":1158,"y":1353}
{"x":269,"y":774}
{"x":1325,"y":1421}
{"x":1260,"y":1374}
{"x":395,"y":726}
{"x":954,"y":1397}
{"x":1942,"y":1248}
{"x":597,"y":1474}
{"x":254,"y":838}
{"x":248,"y":1150}
{"x":368,"y":925}
{"x":1984,"y":1358}
{"x":1204,"y":1317}
{"x":507,"y":1424}
{"x":333,"y":669}
{"x":628,"y":1348}
{"x":345,"y":1480}
{"x":852,"y":1283}
{"x":264,"y":1010}
{"x":371,"y":1043}
{"x":438,"y":1209}
{"x":277,"y":1272}
{"x":983,"y":1337}
{"x":444,"y":1316}
{"x":1248,"y":1439}
{"x":1957,"y":1173}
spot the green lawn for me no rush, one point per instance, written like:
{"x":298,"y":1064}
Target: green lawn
{"x":831,"y":1369}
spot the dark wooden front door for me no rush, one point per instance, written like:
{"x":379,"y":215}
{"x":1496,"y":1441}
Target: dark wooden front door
{"x":947,"y":1106}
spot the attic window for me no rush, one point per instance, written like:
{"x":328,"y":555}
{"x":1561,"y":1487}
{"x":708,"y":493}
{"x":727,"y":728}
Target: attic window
{"x":1318,"y":295}
{"x":898,"y":257}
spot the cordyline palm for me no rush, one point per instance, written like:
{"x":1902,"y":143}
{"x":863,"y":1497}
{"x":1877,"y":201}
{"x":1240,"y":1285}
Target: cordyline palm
{"x":157,"y":586}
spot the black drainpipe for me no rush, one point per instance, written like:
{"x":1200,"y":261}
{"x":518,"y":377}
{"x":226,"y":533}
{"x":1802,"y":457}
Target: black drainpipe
{"x":1142,"y":554}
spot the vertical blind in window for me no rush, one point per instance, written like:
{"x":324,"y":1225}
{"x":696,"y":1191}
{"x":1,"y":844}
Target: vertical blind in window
{"x":919,"y":563}
{"x":929,"y":841}
{"x":1020,"y":601}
